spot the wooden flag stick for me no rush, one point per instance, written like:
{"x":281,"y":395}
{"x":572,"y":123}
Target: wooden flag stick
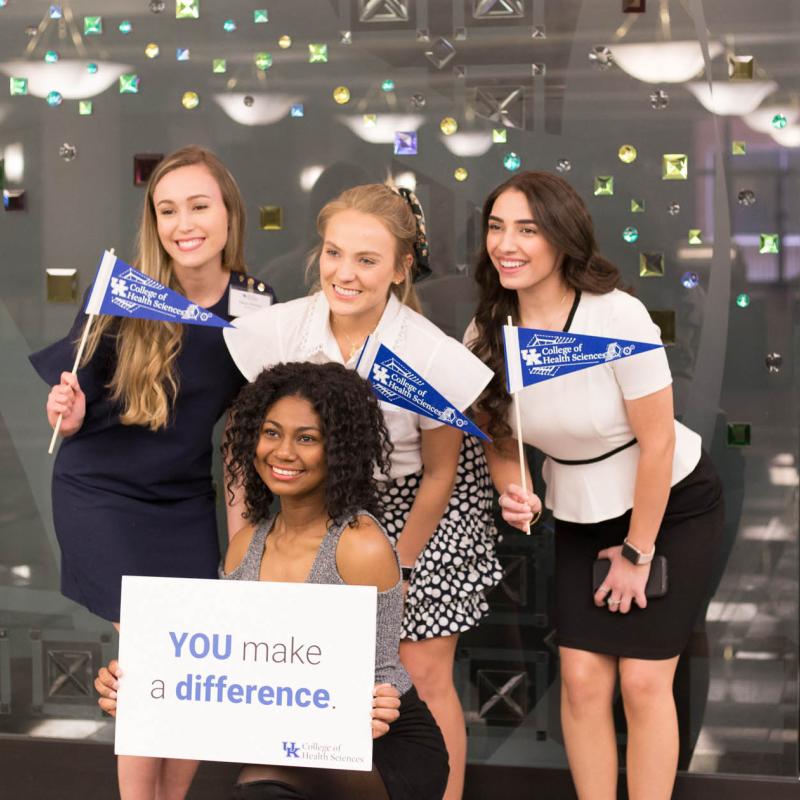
{"x":86,"y":328}
{"x":515,"y":398}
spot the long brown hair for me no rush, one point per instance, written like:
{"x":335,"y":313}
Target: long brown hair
{"x":145,"y":380}
{"x":383,"y":202}
{"x":564,"y":221}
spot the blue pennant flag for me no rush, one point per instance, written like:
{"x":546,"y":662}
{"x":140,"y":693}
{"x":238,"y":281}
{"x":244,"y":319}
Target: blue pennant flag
{"x":122,"y":291}
{"x":394,"y":382}
{"x":533,"y":355}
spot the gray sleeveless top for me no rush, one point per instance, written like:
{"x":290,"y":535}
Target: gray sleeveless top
{"x":388,"y":668}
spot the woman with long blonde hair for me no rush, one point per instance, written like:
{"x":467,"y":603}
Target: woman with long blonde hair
{"x":132,"y":490}
{"x":437,"y":503}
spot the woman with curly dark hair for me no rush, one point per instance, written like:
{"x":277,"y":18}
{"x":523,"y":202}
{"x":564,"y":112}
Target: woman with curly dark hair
{"x":621,"y":473}
{"x":312,"y":435}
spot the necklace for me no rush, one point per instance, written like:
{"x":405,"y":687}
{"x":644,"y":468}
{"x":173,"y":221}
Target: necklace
{"x":354,"y":346}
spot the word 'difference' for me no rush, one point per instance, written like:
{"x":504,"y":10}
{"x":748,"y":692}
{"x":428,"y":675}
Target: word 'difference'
{"x":216,"y":689}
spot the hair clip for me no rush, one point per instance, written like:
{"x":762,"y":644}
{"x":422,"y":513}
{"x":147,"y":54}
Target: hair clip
{"x":421,"y":252}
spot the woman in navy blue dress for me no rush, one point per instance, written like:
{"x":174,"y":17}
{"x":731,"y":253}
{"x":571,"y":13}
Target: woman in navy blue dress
{"x":132,"y":489}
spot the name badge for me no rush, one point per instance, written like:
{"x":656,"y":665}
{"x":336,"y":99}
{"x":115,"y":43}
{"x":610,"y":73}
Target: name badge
{"x":242,"y":302}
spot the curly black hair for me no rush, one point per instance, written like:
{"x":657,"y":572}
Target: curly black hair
{"x":354,"y":431}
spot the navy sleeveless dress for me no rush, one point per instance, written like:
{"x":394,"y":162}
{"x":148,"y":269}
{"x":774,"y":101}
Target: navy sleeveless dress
{"x":128,"y":500}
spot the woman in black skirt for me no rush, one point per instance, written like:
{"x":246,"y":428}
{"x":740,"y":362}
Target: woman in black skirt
{"x":624,"y":481}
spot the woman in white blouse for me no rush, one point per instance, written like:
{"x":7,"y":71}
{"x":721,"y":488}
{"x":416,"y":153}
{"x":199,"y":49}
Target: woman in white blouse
{"x":624,"y":481}
{"x":437,"y":507}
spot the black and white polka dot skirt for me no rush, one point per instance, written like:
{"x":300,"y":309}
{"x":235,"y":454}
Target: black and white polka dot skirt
{"x":458,"y":565}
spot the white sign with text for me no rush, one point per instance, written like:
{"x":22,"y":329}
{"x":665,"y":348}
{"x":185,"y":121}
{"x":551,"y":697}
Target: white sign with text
{"x":247,"y":671}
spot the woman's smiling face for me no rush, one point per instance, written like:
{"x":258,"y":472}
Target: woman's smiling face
{"x":290,"y":454}
{"x":358,"y":265}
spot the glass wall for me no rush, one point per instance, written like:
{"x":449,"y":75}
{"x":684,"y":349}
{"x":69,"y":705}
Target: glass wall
{"x":679,"y":124}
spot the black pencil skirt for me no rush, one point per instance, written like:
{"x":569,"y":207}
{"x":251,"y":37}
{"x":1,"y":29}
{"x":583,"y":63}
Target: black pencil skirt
{"x":689,"y":538}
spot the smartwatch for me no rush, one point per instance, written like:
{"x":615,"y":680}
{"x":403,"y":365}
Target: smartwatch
{"x":635,"y":555}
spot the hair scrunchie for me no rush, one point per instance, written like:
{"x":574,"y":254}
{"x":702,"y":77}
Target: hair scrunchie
{"x":421,"y":253}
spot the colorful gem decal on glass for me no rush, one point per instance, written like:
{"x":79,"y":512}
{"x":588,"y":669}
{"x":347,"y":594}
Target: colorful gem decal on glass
{"x":460,"y":174}
{"x":627,"y":154}
{"x":423,"y":34}
{"x":601,"y":57}
{"x":512,"y":162}
{"x":14,"y":199}
{"x":67,"y":152}
{"x":659,"y":100}
{"x":637,"y":206}
{"x":18,"y":86}
{"x":418,"y":100}
{"x":499,"y":135}
{"x":260,"y":16}
{"x":738,"y":434}
{"x":62,"y":285}
{"x":249,"y":100}
{"x":346,"y":37}
{"x":538,"y":70}
{"x":603,"y":185}
{"x":51,"y":57}
{"x":741,"y":68}
{"x":219,"y":66}
{"x":405,"y":143}
{"x":673,"y":209}
{"x":341,"y":94}
{"x":270,"y":218}
{"x":448,"y":126}
{"x":128,"y":83}
{"x":125,"y":27}
{"x":263,"y":61}
{"x":738,"y":147}
{"x":651,"y":265}
{"x":387,"y":85}
{"x":370,"y":120}
{"x":779,"y":121}
{"x":297,"y":110}
{"x":144,"y":165}
{"x":317,"y":53}
{"x":229,"y":26}
{"x":563,"y":165}
{"x":769,"y":243}
{"x":152,"y":50}
{"x":190,"y":100}
{"x":54,"y":98}
{"x":55,"y":12}
{"x":182,"y":54}
{"x":774,"y":362}
{"x":630,"y":234}
{"x":695,"y":236}
{"x":674,"y":167}
{"x":187,"y":9}
{"x":746,"y":197}
{"x":538,"y":32}
{"x":85,"y":108}
{"x":92,"y":26}
{"x":665,"y":319}
{"x":92,"y":68}
{"x":440,"y":53}
{"x":690,"y":280}
{"x":743,"y":300}
{"x":285,"y":42}
{"x":157,"y":6}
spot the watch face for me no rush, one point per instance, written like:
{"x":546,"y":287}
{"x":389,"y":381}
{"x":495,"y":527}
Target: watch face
{"x":631,"y":553}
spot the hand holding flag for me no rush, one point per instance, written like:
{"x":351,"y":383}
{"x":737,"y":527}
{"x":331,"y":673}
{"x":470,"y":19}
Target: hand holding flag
{"x":122,"y":291}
